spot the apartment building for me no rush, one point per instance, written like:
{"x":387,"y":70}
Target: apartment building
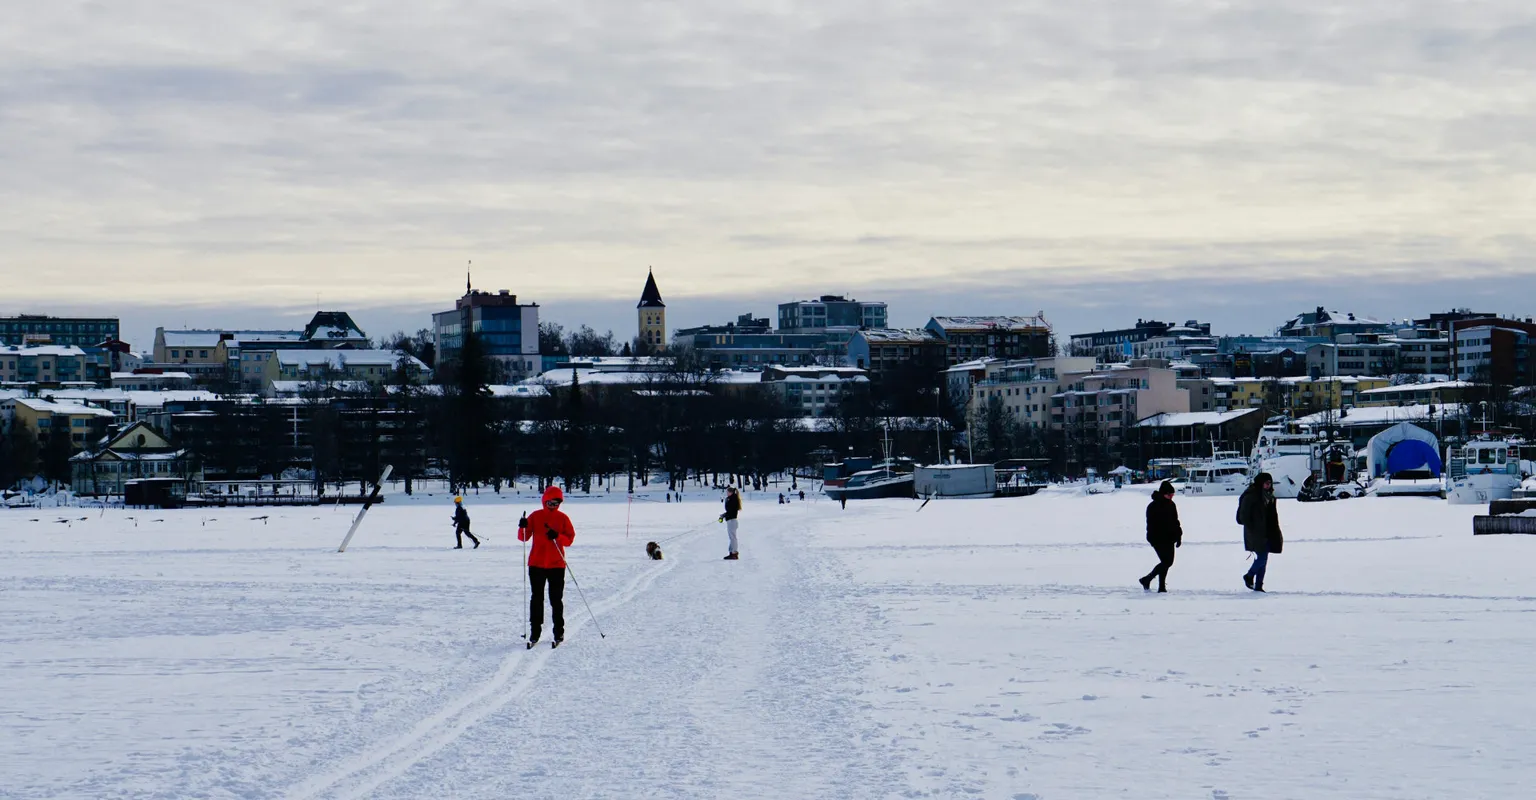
{"x":1111,"y":401}
{"x":51,"y":365}
{"x":1023,"y":387}
{"x":1295,"y":395}
{"x":1436,"y":393}
{"x":970,"y":338}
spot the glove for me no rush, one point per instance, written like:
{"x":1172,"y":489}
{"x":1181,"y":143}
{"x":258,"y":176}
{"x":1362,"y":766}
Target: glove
{"x":1179,"y":543}
{"x":523,"y":523}
{"x":550,"y":532}
{"x":721,"y":519}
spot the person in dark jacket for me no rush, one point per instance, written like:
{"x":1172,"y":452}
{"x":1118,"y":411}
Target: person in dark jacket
{"x":1163,"y":533}
{"x":732,"y":508}
{"x":1261,"y":527}
{"x":461,"y":524}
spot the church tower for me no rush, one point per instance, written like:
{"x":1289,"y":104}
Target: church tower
{"x":653,"y":315}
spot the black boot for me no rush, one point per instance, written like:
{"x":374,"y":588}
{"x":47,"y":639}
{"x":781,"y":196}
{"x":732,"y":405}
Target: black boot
{"x":1248,"y":581}
{"x":1146,"y":583}
{"x":1162,"y":587}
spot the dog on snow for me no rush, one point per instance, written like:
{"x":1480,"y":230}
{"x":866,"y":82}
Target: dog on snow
{"x":653,"y":550}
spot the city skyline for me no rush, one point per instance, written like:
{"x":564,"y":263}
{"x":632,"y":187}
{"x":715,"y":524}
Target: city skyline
{"x":1007,"y":159}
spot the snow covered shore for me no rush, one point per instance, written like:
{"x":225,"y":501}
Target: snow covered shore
{"x":987,"y":648}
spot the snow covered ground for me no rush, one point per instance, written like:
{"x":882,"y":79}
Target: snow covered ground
{"x":986,"y":648}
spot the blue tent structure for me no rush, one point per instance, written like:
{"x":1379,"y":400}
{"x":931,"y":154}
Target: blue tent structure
{"x":1403,"y":448}
{"x":1412,"y":454}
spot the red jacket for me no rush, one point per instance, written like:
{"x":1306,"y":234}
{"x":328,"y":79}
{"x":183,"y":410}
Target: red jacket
{"x":544,"y":553}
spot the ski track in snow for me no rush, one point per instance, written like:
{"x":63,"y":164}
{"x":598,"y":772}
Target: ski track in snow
{"x":516,"y":674}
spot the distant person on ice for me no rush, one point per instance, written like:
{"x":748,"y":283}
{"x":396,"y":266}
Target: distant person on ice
{"x":1163,"y":533}
{"x":550,"y":531}
{"x":461,"y":524}
{"x":1261,"y":527}
{"x":732,"y":508}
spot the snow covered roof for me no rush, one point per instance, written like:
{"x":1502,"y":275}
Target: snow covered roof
{"x":341,"y":359}
{"x":210,"y":338}
{"x":300,"y":387}
{"x":825,"y":378}
{"x":67,"y":409}
{"x":619,"y":363}
{"x":1007,"y":323}
{"x":972,"y":366}
{"x":63,"y":350}
{"x":562,"y":377}
{"x":1380,"y":415}
{"x":1417,"y":387}
{"x":519,"y":390}
{"x":898,"y":335}
{"x":152,"y":376}
{"x":1183,"y":419}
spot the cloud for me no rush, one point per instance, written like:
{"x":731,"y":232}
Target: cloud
{"x":169,"y":153}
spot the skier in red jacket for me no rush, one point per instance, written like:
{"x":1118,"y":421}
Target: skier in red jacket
{"x":550,"y":531}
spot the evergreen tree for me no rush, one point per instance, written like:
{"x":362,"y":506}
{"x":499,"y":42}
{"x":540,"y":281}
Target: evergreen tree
{"x":470,"y":457}
{"x":57,"y":451}
{"x":18,"y":454}
{"x":576,"y":470}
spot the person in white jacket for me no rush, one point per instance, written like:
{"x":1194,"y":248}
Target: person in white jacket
{"x":732,"y":508}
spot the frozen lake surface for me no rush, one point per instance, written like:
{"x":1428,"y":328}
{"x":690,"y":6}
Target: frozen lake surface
{"x":987,"y":648}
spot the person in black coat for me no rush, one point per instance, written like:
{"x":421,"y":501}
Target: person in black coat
{"x":1260,"y":519}
{"x":1163,"y":533}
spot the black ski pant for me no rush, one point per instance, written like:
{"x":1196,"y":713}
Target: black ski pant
{"x":460,"y":533}
{"x":1165,"y":552}
{"x":555,"y":578}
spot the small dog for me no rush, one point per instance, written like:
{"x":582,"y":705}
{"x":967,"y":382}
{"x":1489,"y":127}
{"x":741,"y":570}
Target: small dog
{"x":653,"y":550}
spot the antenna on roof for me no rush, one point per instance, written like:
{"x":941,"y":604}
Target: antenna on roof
{"x":468,"y":266}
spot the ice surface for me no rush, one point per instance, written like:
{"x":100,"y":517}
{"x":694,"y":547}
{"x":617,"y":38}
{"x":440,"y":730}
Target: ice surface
{"x":986,"y":648}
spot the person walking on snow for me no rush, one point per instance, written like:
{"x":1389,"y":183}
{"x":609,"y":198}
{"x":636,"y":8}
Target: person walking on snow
{"x":732,"y":508}
{"x":1163,"y":533}
{"x":550,"y":531}
{"x":461,"y":524}
{"x":1261,"y":527}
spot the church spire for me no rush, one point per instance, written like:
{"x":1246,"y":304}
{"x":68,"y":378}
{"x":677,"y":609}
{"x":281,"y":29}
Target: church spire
{"x":651,"y":296}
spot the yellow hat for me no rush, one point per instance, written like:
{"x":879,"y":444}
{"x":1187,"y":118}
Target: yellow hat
{"x":458,"y":499}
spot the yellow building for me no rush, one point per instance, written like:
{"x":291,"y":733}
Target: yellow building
{"x":652,"y":315}
{"x":1439,"y":393}
{"x":1297,"y":396}
{"x":83,"y":424}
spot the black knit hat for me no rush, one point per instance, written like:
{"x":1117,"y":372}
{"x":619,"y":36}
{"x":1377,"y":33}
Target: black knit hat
{"x":1166,"y":488}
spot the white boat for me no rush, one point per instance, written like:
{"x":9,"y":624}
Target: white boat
{"x":1483,"y":470}
{"x":1297,"y":460}
{"x":1224,"y":473}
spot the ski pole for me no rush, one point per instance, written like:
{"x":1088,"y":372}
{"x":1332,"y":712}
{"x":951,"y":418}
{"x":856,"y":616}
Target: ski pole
{"x":522,"y":526}
{"x":583,"y":595}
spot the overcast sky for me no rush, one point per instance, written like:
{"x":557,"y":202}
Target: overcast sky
{"x":194,"y":163}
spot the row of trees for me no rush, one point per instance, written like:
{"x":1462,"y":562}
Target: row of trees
{"x":24,"y":456}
